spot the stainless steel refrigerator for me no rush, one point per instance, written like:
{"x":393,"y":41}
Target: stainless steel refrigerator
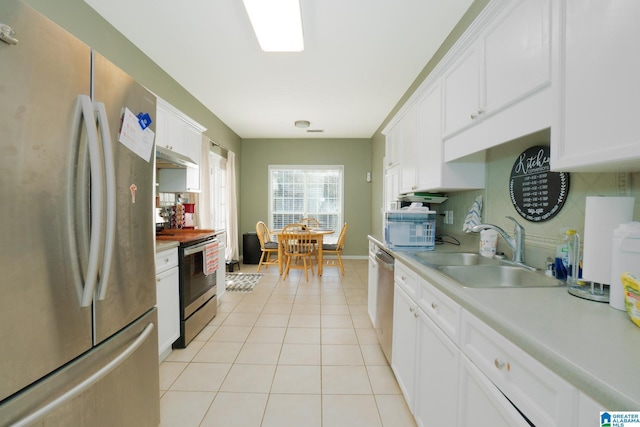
{"x":78,"y":344}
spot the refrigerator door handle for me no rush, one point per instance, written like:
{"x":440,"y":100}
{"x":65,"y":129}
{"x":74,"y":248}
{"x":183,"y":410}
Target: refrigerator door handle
{"x":87,"y":383}
{"x":110,"y":178}
{"x":96,"y":171}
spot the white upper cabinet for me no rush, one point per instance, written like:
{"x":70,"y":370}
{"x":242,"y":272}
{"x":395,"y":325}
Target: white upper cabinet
{"x":516,"y":53}
{"x":596,"y":69}
{"x":178,"y":132}
{"x":462,"y":105}
{"x":392,"y":150}
{"x":408,"y":144}
{"x":431,"y":172}
{"x":497,"y":79}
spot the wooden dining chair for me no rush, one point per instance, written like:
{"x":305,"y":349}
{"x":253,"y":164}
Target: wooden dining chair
{"x":298,"y":245}
{"x":335,"y":249}
{"x":310,"y":222}
{"x":267,"y":246}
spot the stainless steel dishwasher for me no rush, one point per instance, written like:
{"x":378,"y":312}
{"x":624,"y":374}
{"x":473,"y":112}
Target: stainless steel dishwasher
{"x":384,"y":302}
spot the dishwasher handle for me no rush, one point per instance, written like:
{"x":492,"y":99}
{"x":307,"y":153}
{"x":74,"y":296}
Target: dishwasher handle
{"x":385,"y":260}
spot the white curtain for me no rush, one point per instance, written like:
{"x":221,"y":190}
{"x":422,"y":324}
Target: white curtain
{"x":232,"y":251}
{"x":202,"y":203}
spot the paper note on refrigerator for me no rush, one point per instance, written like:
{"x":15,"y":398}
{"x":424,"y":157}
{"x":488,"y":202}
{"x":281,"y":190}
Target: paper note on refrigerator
{"x":136,"y":139}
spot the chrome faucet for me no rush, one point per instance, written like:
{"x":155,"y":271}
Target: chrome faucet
{"x":515,"y":243}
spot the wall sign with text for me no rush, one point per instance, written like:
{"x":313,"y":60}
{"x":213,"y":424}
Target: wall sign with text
{"x":537,"y":193}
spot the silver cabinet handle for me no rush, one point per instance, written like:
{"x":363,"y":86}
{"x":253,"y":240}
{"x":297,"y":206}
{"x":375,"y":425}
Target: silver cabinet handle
{"x":84,"y":385}
{"x":478,"y":114}
{"x":499,"y":363}
{"x":7,"y":34}
{"x":434,"y":305}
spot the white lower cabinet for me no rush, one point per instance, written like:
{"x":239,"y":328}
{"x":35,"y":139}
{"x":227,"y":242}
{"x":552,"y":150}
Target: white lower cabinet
{"x":168,"y":300}
{"x":481,"y":402}
{"x":403,"y":351}
{"x":544,"y":397}
{"x":454,"y":369}
{"x":436,"y":402}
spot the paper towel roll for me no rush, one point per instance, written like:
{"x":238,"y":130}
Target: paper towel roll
{"x":602,"y":216}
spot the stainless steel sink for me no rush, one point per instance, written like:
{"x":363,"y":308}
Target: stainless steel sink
{"x":453,"y":258}
{"x":498,"y":276}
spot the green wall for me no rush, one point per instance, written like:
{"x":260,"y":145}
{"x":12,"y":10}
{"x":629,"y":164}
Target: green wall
{"x":354,"y":154}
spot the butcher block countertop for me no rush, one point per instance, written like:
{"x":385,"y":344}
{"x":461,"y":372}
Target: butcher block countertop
{"x":171,"y":238}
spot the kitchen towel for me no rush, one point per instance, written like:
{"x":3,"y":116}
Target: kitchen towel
{"x":602,"y":215}
{"x":210,"y":258}
{"x":474,"y":216}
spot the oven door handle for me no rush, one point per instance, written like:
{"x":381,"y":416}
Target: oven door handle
{"x":198,"y":248}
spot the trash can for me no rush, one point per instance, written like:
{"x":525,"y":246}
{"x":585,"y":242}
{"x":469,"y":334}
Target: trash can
{"x":251,"y":251}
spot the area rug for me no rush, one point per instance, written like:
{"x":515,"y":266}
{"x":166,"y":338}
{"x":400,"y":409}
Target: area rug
{"x":242,"y":282}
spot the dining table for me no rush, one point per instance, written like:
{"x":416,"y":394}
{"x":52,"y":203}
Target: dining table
{"x":317,"y":235}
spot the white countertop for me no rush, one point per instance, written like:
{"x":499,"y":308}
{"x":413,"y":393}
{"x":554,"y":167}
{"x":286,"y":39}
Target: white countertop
{"x":592,"y":346}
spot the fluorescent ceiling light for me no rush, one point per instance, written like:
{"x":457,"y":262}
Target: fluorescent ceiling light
{"x":277,"y":24}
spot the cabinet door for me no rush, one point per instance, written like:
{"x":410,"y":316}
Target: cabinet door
{"x":517,"y":54}
{"x":392,"y":152}
{"x":162,"y":130}
{"x":429,"y":149}
{"x":461,"y":85}
{"x":438,"y":368}
{"x":192,"y":148}
{"x":407,"y":145}
{"x":403,"y":353}
{"x":596,"y":69}
{"x":168,"y":303}
{"x":480,"y":401}
{"x":391,"y":187}
{"x":543,"y":396}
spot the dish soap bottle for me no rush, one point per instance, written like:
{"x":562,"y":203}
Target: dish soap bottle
{"x":567,"y":262}
{"x":562,"y":258}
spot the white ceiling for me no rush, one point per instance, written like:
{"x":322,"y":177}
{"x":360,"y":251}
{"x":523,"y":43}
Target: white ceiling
{"x":360,"y":57}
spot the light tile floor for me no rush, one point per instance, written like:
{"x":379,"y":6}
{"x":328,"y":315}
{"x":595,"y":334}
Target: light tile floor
{"x":289,"y":353}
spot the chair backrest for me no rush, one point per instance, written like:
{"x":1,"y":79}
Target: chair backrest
{"x":296,"y":239}
{"x":263,"y":233}
{"x":310,"y":222}
{"x":343,"y":233}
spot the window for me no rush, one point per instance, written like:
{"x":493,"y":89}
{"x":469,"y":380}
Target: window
{"x":297,"y":192}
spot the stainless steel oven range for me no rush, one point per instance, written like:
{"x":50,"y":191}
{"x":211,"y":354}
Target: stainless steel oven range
{"x":197,"y":264}
{"x":198,"y":299}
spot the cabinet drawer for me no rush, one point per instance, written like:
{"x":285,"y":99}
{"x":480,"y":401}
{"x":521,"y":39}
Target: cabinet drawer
{"x":541,"y":395}
{"x":166,"y":259}
{"x":406,"y":279}
{"x":440,"y":308}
